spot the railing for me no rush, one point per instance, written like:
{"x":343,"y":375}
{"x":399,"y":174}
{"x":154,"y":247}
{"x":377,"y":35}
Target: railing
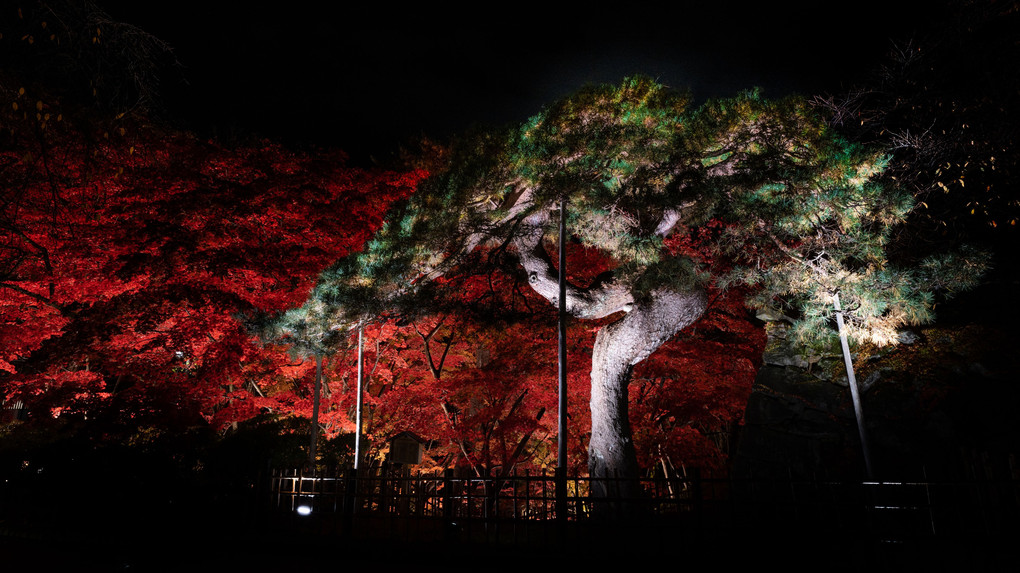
{"x":525,"y":506}
{"x":428,"y":506}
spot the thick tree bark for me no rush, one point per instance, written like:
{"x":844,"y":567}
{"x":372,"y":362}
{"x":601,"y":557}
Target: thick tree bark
{"x":619,"y":346}
{"x":602,"y":298}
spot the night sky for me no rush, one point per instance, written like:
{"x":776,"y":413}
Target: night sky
{"x":368,"y":78}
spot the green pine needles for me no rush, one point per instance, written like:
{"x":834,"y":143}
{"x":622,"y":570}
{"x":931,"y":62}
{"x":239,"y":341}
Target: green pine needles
{"x":800,"y":214}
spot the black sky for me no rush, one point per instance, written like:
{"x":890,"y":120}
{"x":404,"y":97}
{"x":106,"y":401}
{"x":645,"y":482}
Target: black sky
{"x":366,"y":77}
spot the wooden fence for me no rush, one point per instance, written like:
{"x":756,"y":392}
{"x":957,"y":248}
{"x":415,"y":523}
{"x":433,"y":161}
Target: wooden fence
{"x":525,"y":507}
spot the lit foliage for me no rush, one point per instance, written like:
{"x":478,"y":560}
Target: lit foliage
{"x":127,"y":251}
{"x":804,"y":213}
{"x":689,"y":397}
{"x":484,"y":395}
{"x":743,"y":192}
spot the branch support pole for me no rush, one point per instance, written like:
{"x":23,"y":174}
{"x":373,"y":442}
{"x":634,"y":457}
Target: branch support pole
{"x":561,"y":450}
{"x":855,"y":394}
{"x":314,"y":439}
{"x":361,"y":378}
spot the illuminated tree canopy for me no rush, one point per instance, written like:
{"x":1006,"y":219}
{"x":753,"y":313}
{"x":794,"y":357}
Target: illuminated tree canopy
{"x":743,"y":191}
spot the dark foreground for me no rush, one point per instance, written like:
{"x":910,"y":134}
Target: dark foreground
{"x":216,"y":542}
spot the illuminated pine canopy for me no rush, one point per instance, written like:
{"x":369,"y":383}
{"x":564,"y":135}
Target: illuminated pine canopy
{"x":682,"y":198}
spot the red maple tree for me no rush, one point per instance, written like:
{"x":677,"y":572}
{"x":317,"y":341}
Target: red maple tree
{"x":128,"y":252}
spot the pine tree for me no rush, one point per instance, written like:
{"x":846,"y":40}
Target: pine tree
{"x":743,"y":191}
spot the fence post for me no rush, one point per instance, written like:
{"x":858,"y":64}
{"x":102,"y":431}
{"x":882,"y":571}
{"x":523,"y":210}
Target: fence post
{"x":561,"y":494}
{"x":350,"y":498}
{"x":447,"y":489}
{"x":449,"y":526}
{"x":386,"y":489}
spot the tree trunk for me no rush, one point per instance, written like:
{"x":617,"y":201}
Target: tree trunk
{"x":647,"y":324}
{"x":619,"y":346}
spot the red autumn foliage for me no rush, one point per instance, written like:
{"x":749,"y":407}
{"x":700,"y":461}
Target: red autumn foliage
{"x":129,"y":252}
{"x":688,"y":398}
{"x":127,"y":256}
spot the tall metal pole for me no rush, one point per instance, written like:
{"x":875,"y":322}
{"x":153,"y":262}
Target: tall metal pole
{"x":854,"y":393}
{"x":357,"y":435}
{"x":315,"y":412}
{"x":561,"y":451}
{"x":351,"y":485}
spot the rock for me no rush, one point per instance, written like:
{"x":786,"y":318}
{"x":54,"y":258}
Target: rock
{"x":907,"y":337}
{"x":870,"y":380}
{"x":772,"y":315}
{"x":789,"y":425}
{"x":782,"y":352}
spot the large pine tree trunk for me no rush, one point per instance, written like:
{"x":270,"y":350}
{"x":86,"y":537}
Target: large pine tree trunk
{"x":647,"y":324}
{"x":619,"y":346}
